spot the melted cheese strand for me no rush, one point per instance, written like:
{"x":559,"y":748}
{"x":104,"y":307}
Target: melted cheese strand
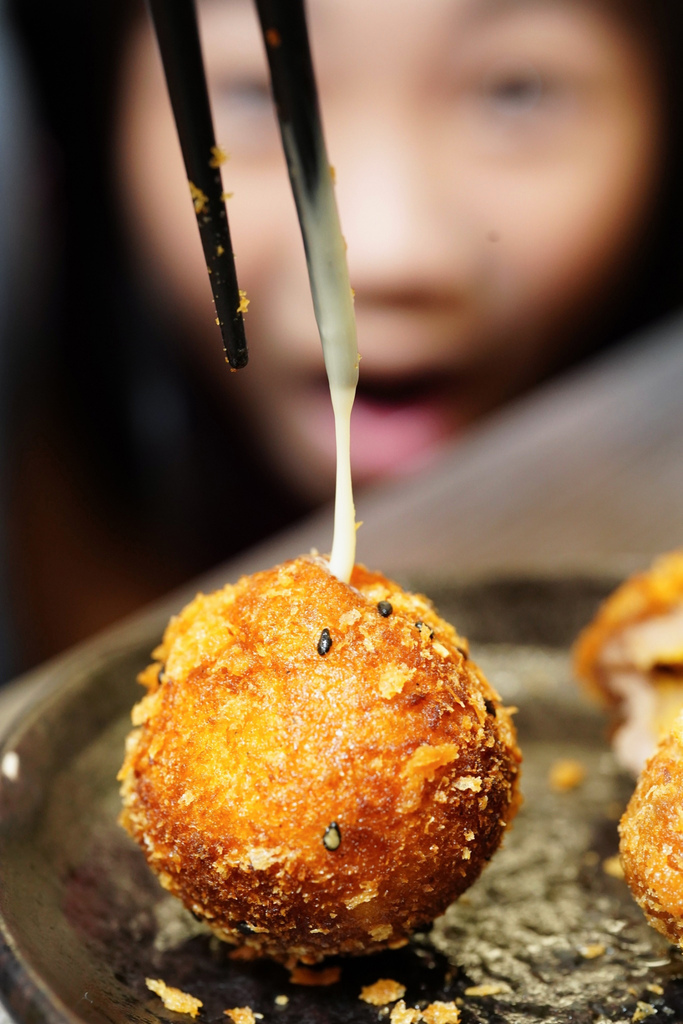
{"x":344,"y":537}
{"x":333,"y":304}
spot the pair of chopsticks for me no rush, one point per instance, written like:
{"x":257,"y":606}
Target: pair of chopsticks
{"x":283,"y":24}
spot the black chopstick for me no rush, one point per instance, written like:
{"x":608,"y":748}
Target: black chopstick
{"x":283,"y":24}
{"x":175,"y":22}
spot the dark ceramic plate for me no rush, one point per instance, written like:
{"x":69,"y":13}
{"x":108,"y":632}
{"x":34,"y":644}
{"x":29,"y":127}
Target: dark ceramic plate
{"x":547,"y":929}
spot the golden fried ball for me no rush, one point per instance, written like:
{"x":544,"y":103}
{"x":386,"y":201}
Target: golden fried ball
{"x":647,"y":595}
{"x":651,"y":831}
{"x":318,"y":767}
{"x":631,"y":658}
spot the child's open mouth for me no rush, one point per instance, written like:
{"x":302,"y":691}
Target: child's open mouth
{"x":398,"y":425}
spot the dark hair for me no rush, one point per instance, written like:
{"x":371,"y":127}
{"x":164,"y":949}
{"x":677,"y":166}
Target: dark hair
{"x":662,"y":283}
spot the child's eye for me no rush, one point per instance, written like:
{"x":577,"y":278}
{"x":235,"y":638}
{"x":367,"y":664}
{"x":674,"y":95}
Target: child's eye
{"x":516,"y":93}
{"x":244,"y":114}
{"x":247,"y":96}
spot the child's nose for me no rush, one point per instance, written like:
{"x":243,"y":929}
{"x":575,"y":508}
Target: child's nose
{"x":406,"y":233}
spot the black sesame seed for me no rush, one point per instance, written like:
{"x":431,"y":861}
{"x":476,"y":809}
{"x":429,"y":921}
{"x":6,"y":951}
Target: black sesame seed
{"x":332,"y":836}
{"x":385,"y":609}
{"x":462,"y":651}
{"x":490,"y":707}
{"x":244,"y":928}
{"x":161,"y":678}
{"x":423,"y":625}
{"x":325,"y":642}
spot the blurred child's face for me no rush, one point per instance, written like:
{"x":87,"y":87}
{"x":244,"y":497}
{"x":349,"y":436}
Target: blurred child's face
{"x":496,"y":162}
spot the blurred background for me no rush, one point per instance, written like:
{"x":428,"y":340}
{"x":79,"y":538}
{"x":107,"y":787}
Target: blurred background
{"x":508,"y":176}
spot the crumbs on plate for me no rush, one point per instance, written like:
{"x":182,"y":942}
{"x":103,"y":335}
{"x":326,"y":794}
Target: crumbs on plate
{"x":384,"y":991}
{"x":402,"y":1014}
{"x":436,"y":1013}
{"x":566,"y":774}
{"x":440,"y":1013}
{"x":243,"y":1015}
{"x":174,"y":999}
{"x":592,"y":951}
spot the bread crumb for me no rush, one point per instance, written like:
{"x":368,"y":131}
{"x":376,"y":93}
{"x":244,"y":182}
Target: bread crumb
{"x":173,"y":998}
{"x":426,"y":759}
{"x":421,"y":767}
{"x":348,"y":618}
{"x":243,"y":1015}
{"x":281,"y":1000}
{"x":468,"y":782}
{"x":642,"y":1011}
{"x":380,"y":932}
{"x":369,"y":893}
{"x":261,"y":859}
{"x":592,"y":950}
{"x":149,"y":677}
{"x":656,"y":990}
{"x":200,"y":199}
{"x":566,"y":774}
{"x":494,"y":988}
{"x":441,"y":1013}
{"x":384,"y":991}
{"x":145,"y":708}
{"x":402,"y":1014}
{"x":244,"y":302}
{"x":612,"y":867}
{"x":218,"y":157}
{"x":393,"y":678}
{"x":305,"y":976}
{"x":440,"y":649}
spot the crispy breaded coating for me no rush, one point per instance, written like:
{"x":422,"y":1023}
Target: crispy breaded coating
{"x":643,"y":596}
{"x":651,"y":832}
{"x":631,"y":658}
{"x":311,"y":798}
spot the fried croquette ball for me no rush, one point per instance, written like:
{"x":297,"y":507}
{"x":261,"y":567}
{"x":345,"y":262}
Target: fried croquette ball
{"x":651,"y":832}
{"x":631,"y":658}
{"x":318,"y":767}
